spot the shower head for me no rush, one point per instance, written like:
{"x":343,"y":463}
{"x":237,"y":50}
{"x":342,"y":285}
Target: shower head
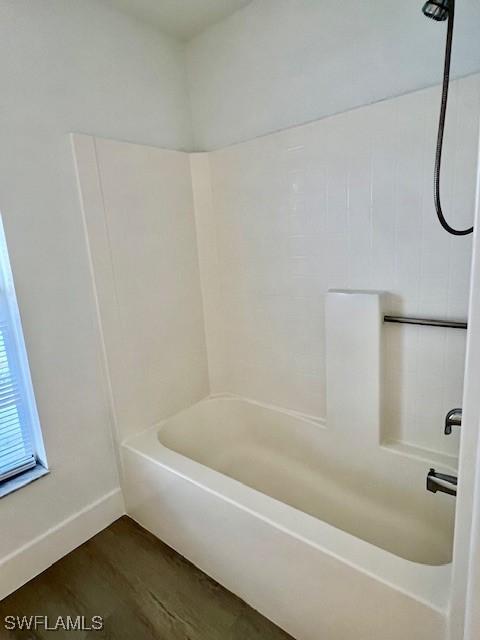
{"x":437,"y":9}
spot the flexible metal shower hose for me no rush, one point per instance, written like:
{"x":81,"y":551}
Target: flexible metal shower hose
{"x":441,"y":129}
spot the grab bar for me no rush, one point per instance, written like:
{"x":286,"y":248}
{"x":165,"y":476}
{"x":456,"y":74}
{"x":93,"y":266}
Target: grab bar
{"x":427,"y":322}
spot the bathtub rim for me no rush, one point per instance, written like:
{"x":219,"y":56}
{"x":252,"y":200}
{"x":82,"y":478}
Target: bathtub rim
{"x":428,"y":584}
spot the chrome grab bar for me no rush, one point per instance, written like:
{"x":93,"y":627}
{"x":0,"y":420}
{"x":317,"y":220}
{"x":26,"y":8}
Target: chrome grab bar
{"x":427,"y":322}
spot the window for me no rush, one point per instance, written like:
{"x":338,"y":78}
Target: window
{"x":22,"y":456}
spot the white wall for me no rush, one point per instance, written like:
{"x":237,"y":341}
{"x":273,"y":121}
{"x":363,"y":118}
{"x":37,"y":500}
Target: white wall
{"x":278,"y":63}
{"x":137,"y":202}
{"x":70,"y":66}
{"x":465,"y":584}
{"x":346,"y":203}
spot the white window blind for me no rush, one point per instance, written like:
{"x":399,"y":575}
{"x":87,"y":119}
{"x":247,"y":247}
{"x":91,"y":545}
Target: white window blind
{"x":20,"y":438}
{"x":16,"y":452}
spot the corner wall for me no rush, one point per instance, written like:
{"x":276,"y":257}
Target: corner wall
{"x":341,"y":203}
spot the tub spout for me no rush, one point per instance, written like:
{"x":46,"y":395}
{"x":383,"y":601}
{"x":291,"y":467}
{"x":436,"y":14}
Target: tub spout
{"x":441,"y":482}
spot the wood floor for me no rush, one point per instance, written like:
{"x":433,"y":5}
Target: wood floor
{"x":141,"y":588}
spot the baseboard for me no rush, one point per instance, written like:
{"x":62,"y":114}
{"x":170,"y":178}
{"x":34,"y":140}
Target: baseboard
{"x":40,"y":553}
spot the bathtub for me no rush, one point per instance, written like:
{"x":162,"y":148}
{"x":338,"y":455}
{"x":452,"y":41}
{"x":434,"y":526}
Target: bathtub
{"x":325,"y":543}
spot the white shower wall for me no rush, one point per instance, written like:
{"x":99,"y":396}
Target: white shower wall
{"x":139,"y":221}
{"x":341,"y":203}
{"x":344,"y":202}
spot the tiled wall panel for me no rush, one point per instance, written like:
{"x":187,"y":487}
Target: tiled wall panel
{"x":345,"y":202}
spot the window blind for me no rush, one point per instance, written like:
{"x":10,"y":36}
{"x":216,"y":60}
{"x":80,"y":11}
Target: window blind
{"x":21,"y":442}
{"x":16,"y":451}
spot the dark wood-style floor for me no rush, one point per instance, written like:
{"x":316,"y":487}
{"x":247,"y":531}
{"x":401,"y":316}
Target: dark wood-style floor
{"x":141,"y":588}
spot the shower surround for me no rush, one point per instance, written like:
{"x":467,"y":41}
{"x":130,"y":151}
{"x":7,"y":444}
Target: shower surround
{"x":337,"y":204}
{"x":211,"y":272}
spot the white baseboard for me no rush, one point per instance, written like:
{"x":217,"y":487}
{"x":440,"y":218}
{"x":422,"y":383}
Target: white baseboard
{"x":40,"y":553}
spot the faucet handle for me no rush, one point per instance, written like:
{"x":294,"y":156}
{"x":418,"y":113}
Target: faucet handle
{"x":452,"y":419}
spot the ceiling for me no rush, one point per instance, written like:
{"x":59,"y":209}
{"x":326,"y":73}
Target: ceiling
{"x":180,"y":18}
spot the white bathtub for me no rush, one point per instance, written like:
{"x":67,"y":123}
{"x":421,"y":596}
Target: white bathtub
{"x":325,"y":543}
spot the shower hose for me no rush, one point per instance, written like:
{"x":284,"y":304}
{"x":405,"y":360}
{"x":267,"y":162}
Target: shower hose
{"x":441,"y":129}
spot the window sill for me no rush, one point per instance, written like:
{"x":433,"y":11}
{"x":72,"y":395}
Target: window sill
{"x":17,"y":482}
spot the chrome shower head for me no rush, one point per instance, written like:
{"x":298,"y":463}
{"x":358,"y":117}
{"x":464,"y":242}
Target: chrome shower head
{"x":437,"y":9}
